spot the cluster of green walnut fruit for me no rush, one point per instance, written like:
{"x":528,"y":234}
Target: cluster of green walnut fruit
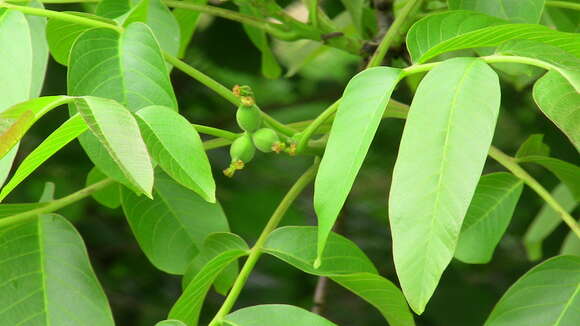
{"x":249,"y":118}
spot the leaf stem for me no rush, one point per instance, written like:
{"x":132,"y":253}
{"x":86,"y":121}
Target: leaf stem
{"x":256,"y":250}
{"x":392,"y":33}
{"x":216,"y":132}
{"x":563,"y":4}
{"x":56,"y":204}
{"x":312,"y":127}
{"x":510,"y":163}
{"x":61,"y":16}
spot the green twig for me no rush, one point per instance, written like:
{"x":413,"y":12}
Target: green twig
{"x":216,"y":132}
{"x":256,"y":250}
{"x":56,"y":204}
{"x":563,"y":4}
{"x":510,"y":163}
{"x":316,"y":123}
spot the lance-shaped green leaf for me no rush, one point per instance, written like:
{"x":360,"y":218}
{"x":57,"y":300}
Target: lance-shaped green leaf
{"x":118,"y":132}
{"x":6,"y":164}
{"x":547,"y":220}
{"x":571,"y":244}
{"x":456,"y":30}
{"x":176,"y":146}
{"x":63,"y":135}
{"x":17,"y":119}
{"x":158,"y":17}
{"x":110,"y":196}
{"x":357,"y":119}
{"x":568,"y":173}
{"x":13,"y":209}
{"x":171,"y":227}
{"x":187,"y":21}
{"x":61,"y":34}
{"x":44,"y":269}
{"x":443,"y":149}
{"x":548,"y":294}
{"x":275,"y":315}
{"x":188,"y":306}
{"x":517,"y":11}
{"x":558,"y":100}
{"x":344,"y":263}
{"x":37,"y":27}
{"x":214,"y":245}
{"x":534,"y":145}
{"x":552,"y":58}
{"x":129,"y":69}
{"x":270,"y":66}
{"x":488,"y":216}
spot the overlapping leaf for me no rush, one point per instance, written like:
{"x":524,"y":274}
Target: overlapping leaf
{"x":488,"y":217}
{"x":344,"y":263}
{"x":172,"y":226}
{"x":67,"y":132}
{"x":546,"y":221}
{"x":47,"y":276}
{"x":456,"y":30}
{"x":443,"y":149}
{"x":548,"y":294}
{"x":275,"y":315}
{"x":517,"y":11}
{"x":214,"y":245}
{"x":534,"y":145}
{"x":354,"y":127}
{"x":176,"y":146}
{"x":559,"y":101}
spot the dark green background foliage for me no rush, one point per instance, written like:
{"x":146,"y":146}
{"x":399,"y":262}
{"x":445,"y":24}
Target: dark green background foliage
{"x":140,"y":295}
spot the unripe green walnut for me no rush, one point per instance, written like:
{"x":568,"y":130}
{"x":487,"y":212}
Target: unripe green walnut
{"x":242,"y":149}
{"x":249,"y":118}
{"x":266,"y":140}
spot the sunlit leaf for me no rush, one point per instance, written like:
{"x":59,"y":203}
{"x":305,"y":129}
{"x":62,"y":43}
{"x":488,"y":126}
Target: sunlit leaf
{"x":443,"y":149}
{"x":63,"y":135}
{"x":357,"y":119}
{"x":546,"y":221}
{"x":456,"y":30}
{"x":172,"y":226}
{"x":517,"y":11}
{"x":488,"y":217}
{"x":275,"y":315}
{"x":548,"y":294}
{"x":176,"y":146}
{"x":47,"y":276}
{"x":558,"y":100}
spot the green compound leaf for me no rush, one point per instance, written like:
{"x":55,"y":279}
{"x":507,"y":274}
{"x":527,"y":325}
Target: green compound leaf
{"x":443,"y":149}
{"x":488,"y":217}
{"x":517,"y":11}
{"x":110,"y":196}
{"x":546,"y":221}
{"x":63,"y":135}
{"x":45,"y":268}
{"x":129,"y":69}
{"x":357,"y":119}
{"x":176,"y":146}
{"x":118,"y":132}
{"x":457,"y":30}
{"x":275,"y":315}
{"x":344,"y":263}
{"x":172,"y":226}
{"x":548,"y":294}
{"x":188,"y":306}
{"x":559,"y":101}
{"x":214,"y":245}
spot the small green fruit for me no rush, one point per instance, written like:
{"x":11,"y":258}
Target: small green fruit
{"x":266,"y":140}
{"x":249,"y":118}
{"x":242,"y":149}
